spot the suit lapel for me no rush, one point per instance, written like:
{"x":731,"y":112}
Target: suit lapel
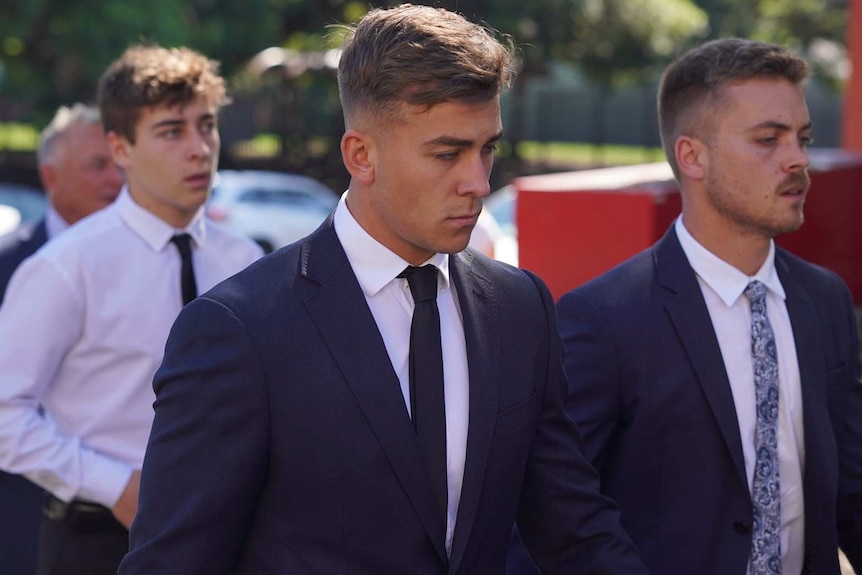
{"x":480,"y":315}
{"x":339,"y":310}
{"x":690,"y":316}
{"x":32,"y":237}
{"x":806,"y":333}
{"x":37,"y":237}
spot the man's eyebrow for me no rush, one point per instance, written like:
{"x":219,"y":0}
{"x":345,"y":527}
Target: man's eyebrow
{"x":168,"y":122}
{"x":460,"y":142}
{"x":495,"y":138}
{"x":177,"y":122}
{"x":775,"y":125}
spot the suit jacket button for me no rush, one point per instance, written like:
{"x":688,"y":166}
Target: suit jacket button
{"x":742,"y":527}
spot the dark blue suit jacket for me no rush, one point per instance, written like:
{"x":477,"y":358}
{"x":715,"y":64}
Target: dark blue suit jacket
{"x":20,"y":500}
{"x":281,"y":443}
{"x":17,"y":246}
{"x":652,"y":399}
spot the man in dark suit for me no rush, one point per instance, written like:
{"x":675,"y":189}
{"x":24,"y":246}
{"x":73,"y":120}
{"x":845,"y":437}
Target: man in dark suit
{"x":715,"y":377}
{"x":296,"y":430}
{"x":79,"y":178}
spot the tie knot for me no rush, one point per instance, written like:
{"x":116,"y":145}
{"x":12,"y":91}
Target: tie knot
{"x":422,"y":281}
{"x":755,"y":291}
{"x":183,"y":243}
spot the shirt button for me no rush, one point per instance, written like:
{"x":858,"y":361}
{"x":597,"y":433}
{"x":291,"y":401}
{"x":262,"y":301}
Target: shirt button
{"x":742,"y":527}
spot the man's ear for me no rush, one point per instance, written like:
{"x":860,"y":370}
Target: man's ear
{"x":120,"y":149}
{"x":692,"y":157}
{"x":358,"y":153}
{"x":48,"y":176}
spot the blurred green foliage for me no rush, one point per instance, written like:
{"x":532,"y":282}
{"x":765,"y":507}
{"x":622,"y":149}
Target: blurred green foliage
{"x":53,"y":51}
{"x":18,"y":137}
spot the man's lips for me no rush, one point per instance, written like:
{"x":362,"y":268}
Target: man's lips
{"x":793,"y":193}
{"x":198,"y":180}
{"x":796,"y":185}
{"x":466,"y":219}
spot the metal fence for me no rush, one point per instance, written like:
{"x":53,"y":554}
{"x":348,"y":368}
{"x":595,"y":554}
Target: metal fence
{"x":301,"y":121}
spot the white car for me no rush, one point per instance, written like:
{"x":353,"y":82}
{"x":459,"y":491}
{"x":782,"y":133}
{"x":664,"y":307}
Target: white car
{"x":272,"y":208}
{"x":502,"y":205}
{"x":20,"y":204}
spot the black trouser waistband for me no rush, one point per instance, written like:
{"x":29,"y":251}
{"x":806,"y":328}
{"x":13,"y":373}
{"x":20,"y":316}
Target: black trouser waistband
{"x":81,"y":515}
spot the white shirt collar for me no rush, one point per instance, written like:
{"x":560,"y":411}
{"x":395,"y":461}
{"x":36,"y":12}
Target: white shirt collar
{"x":724,"y":279}
{"x":152,"y":229}
{"x":54,"y":223}
{"x":374,"y":264}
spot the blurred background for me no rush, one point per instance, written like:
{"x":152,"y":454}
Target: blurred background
{"x":585,"y":96}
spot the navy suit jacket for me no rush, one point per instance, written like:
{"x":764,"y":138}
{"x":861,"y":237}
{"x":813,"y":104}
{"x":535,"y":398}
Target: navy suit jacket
{"x":650,"y":393}
{"x":281,"y":442}
{"x":20,"y":500}
{"x":17,"y":246}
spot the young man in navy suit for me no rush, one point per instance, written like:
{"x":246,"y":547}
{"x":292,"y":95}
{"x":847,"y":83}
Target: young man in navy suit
{"x":715,"y":376}
{"x":295,"y":430}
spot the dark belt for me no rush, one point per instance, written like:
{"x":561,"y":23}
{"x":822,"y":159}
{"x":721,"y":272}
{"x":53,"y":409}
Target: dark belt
{"x":81,"y":515}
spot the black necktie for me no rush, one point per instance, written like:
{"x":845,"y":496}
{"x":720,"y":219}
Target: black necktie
{"x":427,"y":405}
{"x":187,"y":278}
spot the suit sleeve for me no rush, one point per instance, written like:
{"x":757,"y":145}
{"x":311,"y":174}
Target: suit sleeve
{"x":592,"y":370}
{"x":850,"y":452}
{"x":207,"y":454}
{"x":564,"y":521}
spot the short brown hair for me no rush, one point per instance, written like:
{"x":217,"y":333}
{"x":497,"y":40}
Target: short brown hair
{"x":146,"y":76}
{"x":699,"y":75}
{"x":422,"y":56}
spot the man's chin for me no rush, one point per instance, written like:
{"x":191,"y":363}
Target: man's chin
{"x":456,"y":247}
{"x":787,"y":227}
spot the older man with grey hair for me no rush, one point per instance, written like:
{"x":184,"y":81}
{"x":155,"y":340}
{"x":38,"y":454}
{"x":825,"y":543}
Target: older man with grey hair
{"x":79,"y":178}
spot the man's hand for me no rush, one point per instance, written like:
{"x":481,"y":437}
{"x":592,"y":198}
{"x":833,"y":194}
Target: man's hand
{"x":127,"y":504}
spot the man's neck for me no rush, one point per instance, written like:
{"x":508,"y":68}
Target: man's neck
{"x":743,"y":249}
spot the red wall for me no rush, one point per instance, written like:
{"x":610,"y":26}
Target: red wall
{"x":832,"y":233}
{"x":574,"y":226}
{"x":852,"y":116}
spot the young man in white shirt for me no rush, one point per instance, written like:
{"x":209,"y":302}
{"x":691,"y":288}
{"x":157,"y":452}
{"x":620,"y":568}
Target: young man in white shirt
{"x":85,"y":320}
{"x":79,"y":178}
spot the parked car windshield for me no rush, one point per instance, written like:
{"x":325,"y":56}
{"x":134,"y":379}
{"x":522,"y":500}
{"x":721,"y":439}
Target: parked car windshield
{"x":272,"y":208}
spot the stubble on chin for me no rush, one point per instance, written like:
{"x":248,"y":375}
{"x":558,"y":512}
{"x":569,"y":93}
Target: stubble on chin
{"x":766,"y":225}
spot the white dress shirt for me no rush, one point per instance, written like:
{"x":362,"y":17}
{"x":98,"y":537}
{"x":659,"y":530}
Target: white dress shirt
{"x":376,"y":268}
{"x":730,"y":311}
{"x":82,"y":332}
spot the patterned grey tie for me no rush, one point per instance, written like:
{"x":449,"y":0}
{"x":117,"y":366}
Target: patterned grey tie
{"x":765,"y":490}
